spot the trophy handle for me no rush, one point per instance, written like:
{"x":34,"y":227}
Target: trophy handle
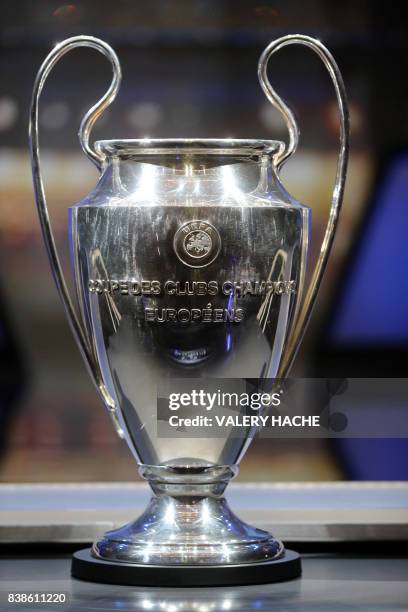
{"x":76,"y":323}
{"x":302,"y":317}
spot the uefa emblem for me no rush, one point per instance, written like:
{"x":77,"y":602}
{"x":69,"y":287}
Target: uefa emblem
{"x":197,"y":243}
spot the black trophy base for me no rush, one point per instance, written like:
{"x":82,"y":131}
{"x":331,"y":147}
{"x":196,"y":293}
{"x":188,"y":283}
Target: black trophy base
{"x":87,"y":567}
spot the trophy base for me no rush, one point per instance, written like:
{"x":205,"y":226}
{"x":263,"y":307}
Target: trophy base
{"x":189,"y":535}
{"x":86,"y":567}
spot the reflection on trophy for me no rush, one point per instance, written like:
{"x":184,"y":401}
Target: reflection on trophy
{"x":189,"y":261}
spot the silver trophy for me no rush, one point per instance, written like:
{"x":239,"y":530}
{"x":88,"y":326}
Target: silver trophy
{"x":189,"y":261}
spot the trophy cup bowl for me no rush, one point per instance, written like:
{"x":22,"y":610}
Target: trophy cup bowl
{"x":189,"y":261}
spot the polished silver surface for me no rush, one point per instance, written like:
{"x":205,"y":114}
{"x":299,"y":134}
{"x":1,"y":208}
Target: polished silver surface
{"x":189,"y":260}
{"x":153,"y":314}
{"x":158,"y":311}
{"x":188,"y":521}
{"x":194,"y":529}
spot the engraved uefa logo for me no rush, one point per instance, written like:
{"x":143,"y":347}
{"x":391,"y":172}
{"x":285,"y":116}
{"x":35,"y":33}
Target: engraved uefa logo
{"x":197,"y":243}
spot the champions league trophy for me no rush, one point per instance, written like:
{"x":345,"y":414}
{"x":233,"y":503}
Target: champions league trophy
{"x":189,"y":261}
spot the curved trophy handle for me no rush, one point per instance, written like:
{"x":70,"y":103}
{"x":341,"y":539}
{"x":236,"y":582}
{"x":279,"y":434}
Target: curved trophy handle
{"x":303,"y":316}
{"x":78,"y":330}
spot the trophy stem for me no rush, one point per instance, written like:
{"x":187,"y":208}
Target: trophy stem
{"x":188,"y":479}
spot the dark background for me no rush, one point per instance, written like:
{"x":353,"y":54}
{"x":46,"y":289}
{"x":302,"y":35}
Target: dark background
{"x":189,"y":70}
